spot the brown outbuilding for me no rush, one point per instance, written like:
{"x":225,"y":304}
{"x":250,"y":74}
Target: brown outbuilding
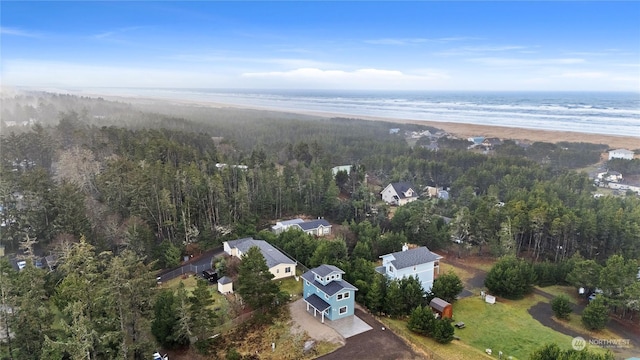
{"x":443,"y":308}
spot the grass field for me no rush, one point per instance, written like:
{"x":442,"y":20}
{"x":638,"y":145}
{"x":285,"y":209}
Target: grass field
{"x":557,"y":290}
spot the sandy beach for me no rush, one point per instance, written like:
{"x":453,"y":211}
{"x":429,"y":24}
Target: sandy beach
{"x":460,"y":130}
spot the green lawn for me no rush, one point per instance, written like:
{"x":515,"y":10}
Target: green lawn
{"x":504,"y":326}
{"x":290,"y":285}
{"x":556,"y":290}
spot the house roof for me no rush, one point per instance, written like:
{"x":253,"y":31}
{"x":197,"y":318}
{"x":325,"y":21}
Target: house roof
{"x":438,"y":304}
{"x":624,"y":151}
{"x":224,"y":280}
{"x":401,"y":187}
{"x":319,"y":304}
{"x":412,"y":257}
{"x":324,"y":270}
{"x":314,"y":224}
{"x":272,"y":255}
{"x":291,"y":222}
{"x":332,"y":287}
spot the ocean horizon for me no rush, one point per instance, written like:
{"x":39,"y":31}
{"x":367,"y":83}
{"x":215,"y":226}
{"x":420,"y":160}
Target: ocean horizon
{"x":606,"y":113}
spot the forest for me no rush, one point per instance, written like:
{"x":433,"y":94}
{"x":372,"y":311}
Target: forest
{"x":136,"y":186}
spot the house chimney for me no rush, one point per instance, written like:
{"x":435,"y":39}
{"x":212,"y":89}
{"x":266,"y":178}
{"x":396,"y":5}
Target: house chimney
{"x":405,"y":247}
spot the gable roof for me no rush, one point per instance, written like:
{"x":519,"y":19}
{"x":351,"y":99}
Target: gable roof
{"x":324,"y":270}
{"x":314,"y":224}
{"x":332,"y":287}
{"x":224,"y":280}
{"x":401,"y":187}
{"x":272,"y":255}
{"x":412,"y":257}
{"x":291,"y":222}
{"x":438,"y":304}
{"x":623,"y":151}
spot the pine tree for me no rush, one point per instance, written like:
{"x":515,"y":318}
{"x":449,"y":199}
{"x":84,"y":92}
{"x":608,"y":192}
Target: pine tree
{"x":561,"y":306}
{"x":595,"y":315}
{"x":254,"y":281}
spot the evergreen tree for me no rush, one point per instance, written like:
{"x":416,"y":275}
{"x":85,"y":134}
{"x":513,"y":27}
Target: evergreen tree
{"x":375,"y":299}
{"x":421,"y":320}
{"x":254,"y":281}
{"x":510,"y":277}
{"x":595,"y":315}
{"x":447,"y":287}
{"x":443,"y":331}
{"x":561,"y":306}
{"x":202,"y":316}
{"x":393,"y":300}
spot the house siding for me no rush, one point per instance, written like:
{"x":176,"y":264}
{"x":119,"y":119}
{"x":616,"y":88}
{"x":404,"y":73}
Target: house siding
{"x":333,"y":312}
{"x":279,"y":271}
{"x":424,"y":272}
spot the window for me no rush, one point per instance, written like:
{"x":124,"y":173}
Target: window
{"x":326,"y":296}
{"x":287,"y":269}
{"x":343,"y":310}
{"x":306,"y":282}
{"x":343,"y":296}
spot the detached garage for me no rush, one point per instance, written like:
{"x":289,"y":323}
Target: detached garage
{"x":443,"y":308}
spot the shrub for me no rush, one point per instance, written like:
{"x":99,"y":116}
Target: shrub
{"x":595,"y":315}
{"x":421,"y":320}
{"x":561,"y":306}
{"x":446,"y":287}
{"x":443,"y":331}
{"x":510,"y":278}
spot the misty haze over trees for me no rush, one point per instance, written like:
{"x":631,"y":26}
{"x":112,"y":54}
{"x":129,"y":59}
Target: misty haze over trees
{"x":146,"y":181}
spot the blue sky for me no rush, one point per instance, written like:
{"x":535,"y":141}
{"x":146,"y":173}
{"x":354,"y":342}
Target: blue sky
{"x":420,"y":45}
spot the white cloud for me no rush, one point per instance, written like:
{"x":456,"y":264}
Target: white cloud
{"x":51,"y":73}
{"x":583,"y":75}
{"x":112,"y":33}
{"x":221,"y":58}
{"x":501,"y":61}
{"x":18,"y":32}
{"x":366,"y":78}
{"x":413,"y":41}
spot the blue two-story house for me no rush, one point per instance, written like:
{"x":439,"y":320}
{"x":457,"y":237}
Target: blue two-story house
{"x":327,"y":294}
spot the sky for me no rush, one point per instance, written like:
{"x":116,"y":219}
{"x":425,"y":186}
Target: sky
{"x":418,"y":45}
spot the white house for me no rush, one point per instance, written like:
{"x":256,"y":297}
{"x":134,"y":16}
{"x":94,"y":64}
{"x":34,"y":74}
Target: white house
{"x":621,"y":154}
{"x":279,"y":264}
{"x":399,"y":193}
{"x":335,"y":169}
{"x":419,"y":262}
{"x":318,"y":227}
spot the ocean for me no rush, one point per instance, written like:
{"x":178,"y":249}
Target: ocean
{"x":606,"y":113}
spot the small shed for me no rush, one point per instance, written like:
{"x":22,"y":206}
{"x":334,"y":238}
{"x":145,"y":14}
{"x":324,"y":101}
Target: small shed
{"x":442,"y":307}
{"x":225,"y":285}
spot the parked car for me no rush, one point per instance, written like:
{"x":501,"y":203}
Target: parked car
{"x":210,"y":275}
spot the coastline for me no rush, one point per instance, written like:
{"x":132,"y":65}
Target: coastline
{"x":460,"y":130}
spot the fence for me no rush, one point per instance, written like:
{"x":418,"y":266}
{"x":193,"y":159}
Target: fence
{"x":183,"y":270}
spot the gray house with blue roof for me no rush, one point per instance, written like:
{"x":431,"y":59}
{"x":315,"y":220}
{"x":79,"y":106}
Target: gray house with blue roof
{"x":419,"y":262}
{"x":327,"y":294}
